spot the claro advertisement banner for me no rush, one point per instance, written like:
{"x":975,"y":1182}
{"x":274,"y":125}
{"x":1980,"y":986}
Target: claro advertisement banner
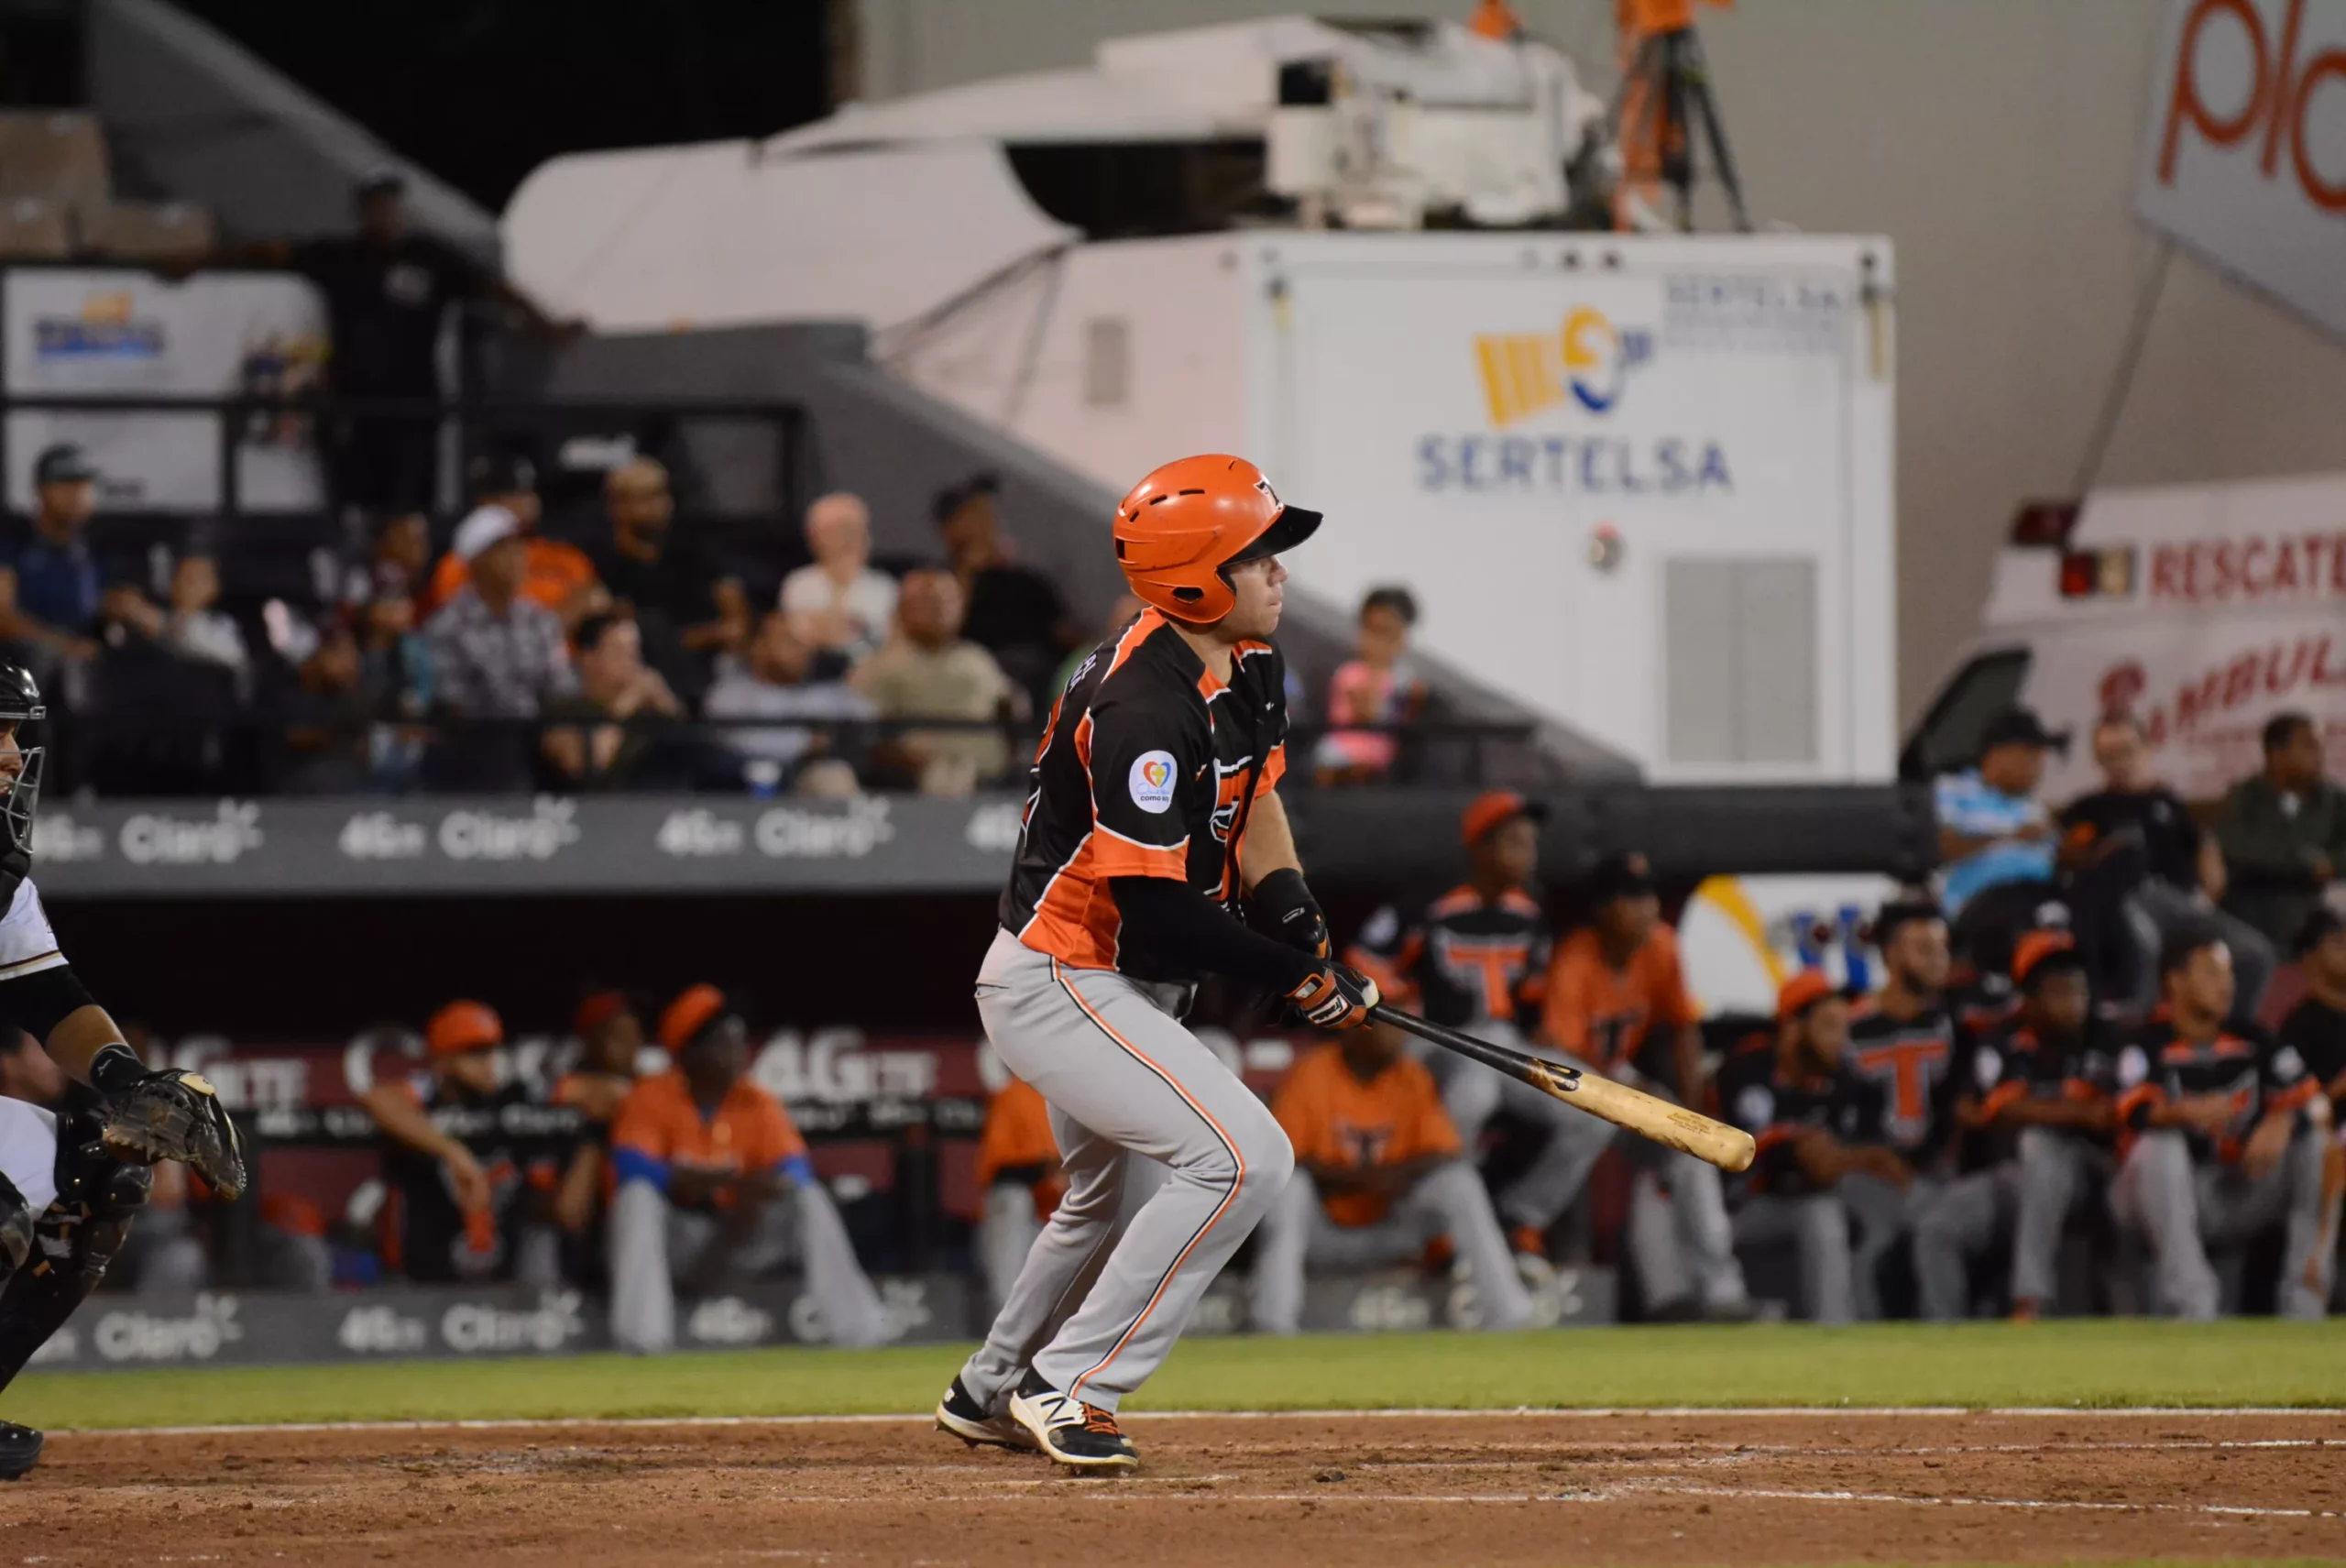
{"x":2245,"y":157}
{"x":81,"y":333}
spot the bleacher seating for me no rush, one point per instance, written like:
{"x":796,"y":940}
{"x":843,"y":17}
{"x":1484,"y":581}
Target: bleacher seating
{"x":146,"y":231}
{"x":34,"y":229}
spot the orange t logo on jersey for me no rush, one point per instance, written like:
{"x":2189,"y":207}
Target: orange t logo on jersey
{"x":1906,"y":1064}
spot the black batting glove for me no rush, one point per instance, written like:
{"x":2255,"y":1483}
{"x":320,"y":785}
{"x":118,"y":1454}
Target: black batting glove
{"x":1282,"y":908}
{"x":1335,"y":997}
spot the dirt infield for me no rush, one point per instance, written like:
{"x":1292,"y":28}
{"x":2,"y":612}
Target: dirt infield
{"x":1301,"y":1490}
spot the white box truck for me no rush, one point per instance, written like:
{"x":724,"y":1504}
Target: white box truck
{"x":1641,"y":484}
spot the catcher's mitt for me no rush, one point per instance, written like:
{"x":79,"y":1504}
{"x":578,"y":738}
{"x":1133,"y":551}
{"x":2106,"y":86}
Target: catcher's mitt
{"x":178,"y":1115}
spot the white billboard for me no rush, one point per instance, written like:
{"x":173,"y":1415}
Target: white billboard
{"x":2245,"y":157}
{"x":73,"y":332}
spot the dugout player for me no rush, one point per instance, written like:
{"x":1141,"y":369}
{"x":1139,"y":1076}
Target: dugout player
{"x":1477,"y":958}
{"x":715,"y":1184}
{"x":1791,"y":1094}
{"x":71,"y":1179}
{"x":1378,"y":1174}
{"x":1614,"y":988}
{"x":2221,"y":1132}
{"x":2036,"y":1121}
{"x":475,"y":1159}
{"x":1902,"y":1045}
{"x":1152,"y":812}
{"x":2034,"y":1069}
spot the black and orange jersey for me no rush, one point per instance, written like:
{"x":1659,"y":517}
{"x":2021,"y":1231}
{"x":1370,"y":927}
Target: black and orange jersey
{"x":2258,"y":1073}
{"x":1462,"y":959}
{"x":2013,"y":1062}
{"x":1777,"y":1112}
{"x":1900,"y":1072}
{"x":520,"y":1144}
{"x":1142,"y":772}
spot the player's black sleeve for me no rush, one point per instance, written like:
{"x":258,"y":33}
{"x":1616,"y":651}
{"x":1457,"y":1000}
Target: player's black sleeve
{"x":1174,"y":922}
{"x":39,"y":1002}
{"x":1144,"y":764}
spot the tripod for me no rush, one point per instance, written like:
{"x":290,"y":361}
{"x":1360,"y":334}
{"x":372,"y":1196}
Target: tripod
{"x":1665,"y":87}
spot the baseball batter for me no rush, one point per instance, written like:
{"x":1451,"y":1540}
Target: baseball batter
{"x":1152,"y":813}
{"x":71,"y":1182}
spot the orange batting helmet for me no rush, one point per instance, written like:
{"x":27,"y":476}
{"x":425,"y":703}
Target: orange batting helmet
{"x":1183,"y":525}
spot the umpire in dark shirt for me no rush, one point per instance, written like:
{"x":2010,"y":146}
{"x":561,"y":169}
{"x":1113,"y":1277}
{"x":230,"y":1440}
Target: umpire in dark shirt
{"x":2137,"y":835}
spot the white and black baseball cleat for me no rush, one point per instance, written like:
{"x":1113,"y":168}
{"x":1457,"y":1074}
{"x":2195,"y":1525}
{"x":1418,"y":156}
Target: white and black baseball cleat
{"x":960,"y":1414}
{"x":19,"y":1451}
{"x":1079,"y":1436}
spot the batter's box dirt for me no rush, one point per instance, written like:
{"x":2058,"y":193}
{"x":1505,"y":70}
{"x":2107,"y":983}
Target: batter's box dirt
{"x":1381,"y":1491}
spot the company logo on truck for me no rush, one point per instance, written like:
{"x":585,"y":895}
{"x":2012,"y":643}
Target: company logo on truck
{"x":1588,"y":360}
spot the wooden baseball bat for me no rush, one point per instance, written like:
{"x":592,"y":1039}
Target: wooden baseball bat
{"x":1730,"y":1148}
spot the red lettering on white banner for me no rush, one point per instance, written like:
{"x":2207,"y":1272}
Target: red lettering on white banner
{"x":2258,"y":568}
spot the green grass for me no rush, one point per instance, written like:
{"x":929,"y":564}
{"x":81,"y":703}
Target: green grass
{"x":2103,"y":1364}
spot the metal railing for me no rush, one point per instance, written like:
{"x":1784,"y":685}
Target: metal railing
{"x":478,"y":423}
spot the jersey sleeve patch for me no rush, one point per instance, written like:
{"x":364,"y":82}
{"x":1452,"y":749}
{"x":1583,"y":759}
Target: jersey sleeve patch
{"x":1150,"y":782}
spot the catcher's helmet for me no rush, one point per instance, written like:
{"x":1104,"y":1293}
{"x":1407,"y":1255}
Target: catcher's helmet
{"x":20,"y":704}
{"x":1181,"y":527}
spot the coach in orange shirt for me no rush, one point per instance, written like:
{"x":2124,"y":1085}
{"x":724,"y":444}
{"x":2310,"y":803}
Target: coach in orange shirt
{"x":1018,"y":1177}
{"x":1613,"y":987}
{"x":1378,"y":1174}
{"x":715,"y":1185}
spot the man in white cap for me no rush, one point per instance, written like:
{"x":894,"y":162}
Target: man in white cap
{"x":495,"y":654}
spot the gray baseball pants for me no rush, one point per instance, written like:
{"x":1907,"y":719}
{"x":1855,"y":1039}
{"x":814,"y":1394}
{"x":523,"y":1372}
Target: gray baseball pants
{"x":2055,"y":1165}
{"x":1667,"y":1241}
{"x":1099,"y":1303}
{"x":1818,"y":1225}
{"x":1450,"y":1200}
{"x":1961,"y":1220}
{"x":2181,"y":1205}
{"x":651,"y":1243}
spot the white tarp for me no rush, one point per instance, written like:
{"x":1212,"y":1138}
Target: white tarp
{"x":2246,"y":154}
{"x":94,"y":333}
{"x":714,"y":235}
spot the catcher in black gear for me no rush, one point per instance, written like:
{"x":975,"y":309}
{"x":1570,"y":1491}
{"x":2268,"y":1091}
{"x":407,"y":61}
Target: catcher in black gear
{"x":70,"y":1180}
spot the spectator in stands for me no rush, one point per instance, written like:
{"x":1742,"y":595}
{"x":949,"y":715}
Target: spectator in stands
{"x":324,"y":719}
{"x":398,"y":565}
{"x":474,"y":1160}
{"x":2217,"y":1145}
{"x":1379,"y":1176}
{"x":387,"y":288}
{"x":1019,"y":1181}
{"x":193,"y":627}
{"x":496,"y":654}
{"x":1993,"y":832}
{"x":1014,"y":612}
{"x":688,"y":608}
{"x":1375,"y":686}
{"x":557,"y":576}
{"x":1615,"y":989}
{"x":929,"y":671}
{"x":2138,"y":836}
{"x":49,"y":592}
{"x":839,"y":604}
{"x":715,"y":1185}
{"x":774,"y":679}
{"x":2284,"y":832}
{"x":596,"y":736}
{"x":2315,"y":1027}
{"x":1786,"y":1091}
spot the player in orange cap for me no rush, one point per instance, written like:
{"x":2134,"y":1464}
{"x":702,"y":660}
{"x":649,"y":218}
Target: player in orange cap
{"x":1153,"y":821}
{"x":715,"y":1184}
{"x":473,"y":1158}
